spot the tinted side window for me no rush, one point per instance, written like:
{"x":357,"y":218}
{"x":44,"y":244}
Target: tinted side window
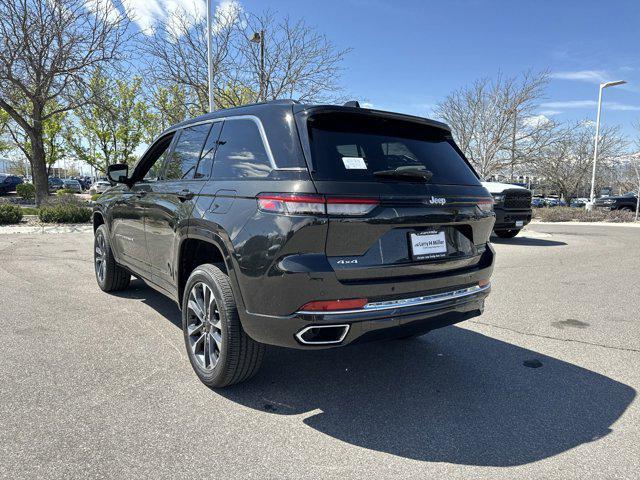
{"x":209,"y":150}
{"x":184,"y":159}
{"x":241,"y":152}
{"x":150,"y":166}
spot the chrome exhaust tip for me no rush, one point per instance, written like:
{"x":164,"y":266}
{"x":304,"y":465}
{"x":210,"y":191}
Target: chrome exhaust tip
{"x":323,"y":334}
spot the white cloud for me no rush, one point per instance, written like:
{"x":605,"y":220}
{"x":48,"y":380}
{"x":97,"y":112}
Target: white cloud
{"x":104,"y":9}
{"x":536,"y":120}
{"x":549,"y":113}
{"x":227,"y":13}
{"x":147,"y":13}
{"x":590,"y":104}
{"x":591,"y":76}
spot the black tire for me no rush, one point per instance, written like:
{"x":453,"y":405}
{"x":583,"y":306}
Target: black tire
{"x":506,"y":233}
{"x":239,"y":356}
{"x":627,"y":209}
{"x":113,"y":277}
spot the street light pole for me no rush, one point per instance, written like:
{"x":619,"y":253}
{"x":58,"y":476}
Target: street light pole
{"x":210,"y":54}
{"x":258,"y":37}
{"x":595,"y":147}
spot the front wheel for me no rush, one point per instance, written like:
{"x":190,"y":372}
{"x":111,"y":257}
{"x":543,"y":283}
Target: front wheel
{"x":111,"y":277}
{"x":506,"y":233}
{"x":627,"y":209}
{"x":220,"y":351}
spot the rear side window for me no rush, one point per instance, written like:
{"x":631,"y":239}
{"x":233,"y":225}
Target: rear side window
{"x":351,"y":147}
{"x":183,"y":161}
{"x":241,"y":154}
{"x":208,"y":152}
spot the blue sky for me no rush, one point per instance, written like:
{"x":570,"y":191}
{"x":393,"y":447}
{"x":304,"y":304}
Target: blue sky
{"x":408,"y":54}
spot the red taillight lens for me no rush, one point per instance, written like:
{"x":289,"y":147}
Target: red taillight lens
{"x":303,"y":203}
{"x":333,"y":305}
{"x":483,"y":283}
{"x":486,"y":205}
{"x":292,"y":204}
{"x":350,"y":206}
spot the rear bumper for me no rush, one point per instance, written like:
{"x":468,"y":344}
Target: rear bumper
{"x":506,"y":219}
{"x":376,"y":321}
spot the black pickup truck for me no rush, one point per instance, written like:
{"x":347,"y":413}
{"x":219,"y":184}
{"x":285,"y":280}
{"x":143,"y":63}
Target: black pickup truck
{"x":626,"y":202}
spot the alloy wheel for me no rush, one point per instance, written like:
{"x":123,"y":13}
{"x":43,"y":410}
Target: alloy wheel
{"x":204,"y":327}
{"x":100,"y":257}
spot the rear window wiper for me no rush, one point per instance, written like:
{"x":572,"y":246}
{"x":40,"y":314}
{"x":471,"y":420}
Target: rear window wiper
{"x":406,"y":174}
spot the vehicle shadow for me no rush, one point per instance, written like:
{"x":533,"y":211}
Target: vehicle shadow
{"x":139,"y":290}
{"x":527,"y":241}
{"x":452,"y":396}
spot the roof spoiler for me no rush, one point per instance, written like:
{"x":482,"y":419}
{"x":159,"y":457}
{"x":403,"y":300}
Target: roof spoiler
{"x":352,"y":103}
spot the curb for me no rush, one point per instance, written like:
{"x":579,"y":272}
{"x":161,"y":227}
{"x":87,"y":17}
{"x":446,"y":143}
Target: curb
{"x":590,"y":224}
{"x":46,"y":229}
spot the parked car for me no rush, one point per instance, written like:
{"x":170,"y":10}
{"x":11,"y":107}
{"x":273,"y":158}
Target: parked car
{"x":100,"y":186}
{"x":8,"y":183}
{"x":626,"y":202}
{"x":538,"y":202}
{"x":512,"y":207}
{"x":315,"y":227}
{"x":578,"y":202}
{"x":71,"y":184}
{"x":55,"y":184}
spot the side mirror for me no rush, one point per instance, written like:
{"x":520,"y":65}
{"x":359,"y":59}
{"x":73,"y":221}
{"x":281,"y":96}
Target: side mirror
{"x":118,"y":173}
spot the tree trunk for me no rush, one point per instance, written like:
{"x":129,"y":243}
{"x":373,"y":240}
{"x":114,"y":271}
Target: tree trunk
{"x":39,"y":168}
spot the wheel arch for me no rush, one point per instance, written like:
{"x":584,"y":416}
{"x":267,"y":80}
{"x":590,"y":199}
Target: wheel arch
{"x":198,"y":246}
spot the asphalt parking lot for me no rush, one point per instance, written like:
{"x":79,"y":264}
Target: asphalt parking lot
{"x":97,"y":385}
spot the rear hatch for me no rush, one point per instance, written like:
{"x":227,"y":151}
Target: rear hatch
{"x":401,"y":199}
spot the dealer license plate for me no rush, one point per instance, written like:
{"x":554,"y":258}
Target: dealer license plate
{"x":430,"y":244}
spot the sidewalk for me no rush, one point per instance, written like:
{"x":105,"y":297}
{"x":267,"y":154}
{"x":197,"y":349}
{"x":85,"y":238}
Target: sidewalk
{"x":39,"y":229}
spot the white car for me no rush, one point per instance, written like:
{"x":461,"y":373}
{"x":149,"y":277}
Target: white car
{"x":100,"y":186}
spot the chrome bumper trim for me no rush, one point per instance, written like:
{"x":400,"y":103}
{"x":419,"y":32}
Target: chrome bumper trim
{"x":407,"y":302}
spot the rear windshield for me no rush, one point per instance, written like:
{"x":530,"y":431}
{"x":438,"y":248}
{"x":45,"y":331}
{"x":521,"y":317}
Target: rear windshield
{"x":351,"y":147}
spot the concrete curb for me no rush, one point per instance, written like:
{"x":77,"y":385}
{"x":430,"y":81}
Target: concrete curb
{"x":589,"y":224}
{"x":46,"y":229}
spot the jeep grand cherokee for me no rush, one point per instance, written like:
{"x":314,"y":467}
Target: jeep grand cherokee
{"x":304,"y":226}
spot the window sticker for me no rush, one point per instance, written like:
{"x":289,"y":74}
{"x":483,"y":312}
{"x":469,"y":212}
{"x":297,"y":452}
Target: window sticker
{"x":354,"y":163}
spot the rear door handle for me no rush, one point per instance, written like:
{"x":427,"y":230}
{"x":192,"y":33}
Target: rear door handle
{"x":185,"y":195}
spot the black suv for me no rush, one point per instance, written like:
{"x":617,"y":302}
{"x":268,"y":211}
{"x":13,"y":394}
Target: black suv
{"x":304,"y":226}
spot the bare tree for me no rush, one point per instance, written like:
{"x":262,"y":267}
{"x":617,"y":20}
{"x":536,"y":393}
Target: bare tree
{"x":494,"y":121}
{"x":566,"y":164}
{"x":299,"y":62}
{"x":48,"y":50}
{"x":177,"y":56}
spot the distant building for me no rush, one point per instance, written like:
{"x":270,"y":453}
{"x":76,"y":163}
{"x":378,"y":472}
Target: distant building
{"x":5,"y":164}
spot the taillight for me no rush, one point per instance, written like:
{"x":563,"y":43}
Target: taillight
{"x":486,"y":205}
{"x":303,"y":203}
{"x":292,"y":204}
{"x":334,"y":305}
{"x":350,"y":206}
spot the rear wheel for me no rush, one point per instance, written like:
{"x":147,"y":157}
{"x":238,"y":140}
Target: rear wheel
{"x":111,"y":277}
{"x":506,"y":233}
{"x":627,"y":209}
{"x":220,"y":351}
